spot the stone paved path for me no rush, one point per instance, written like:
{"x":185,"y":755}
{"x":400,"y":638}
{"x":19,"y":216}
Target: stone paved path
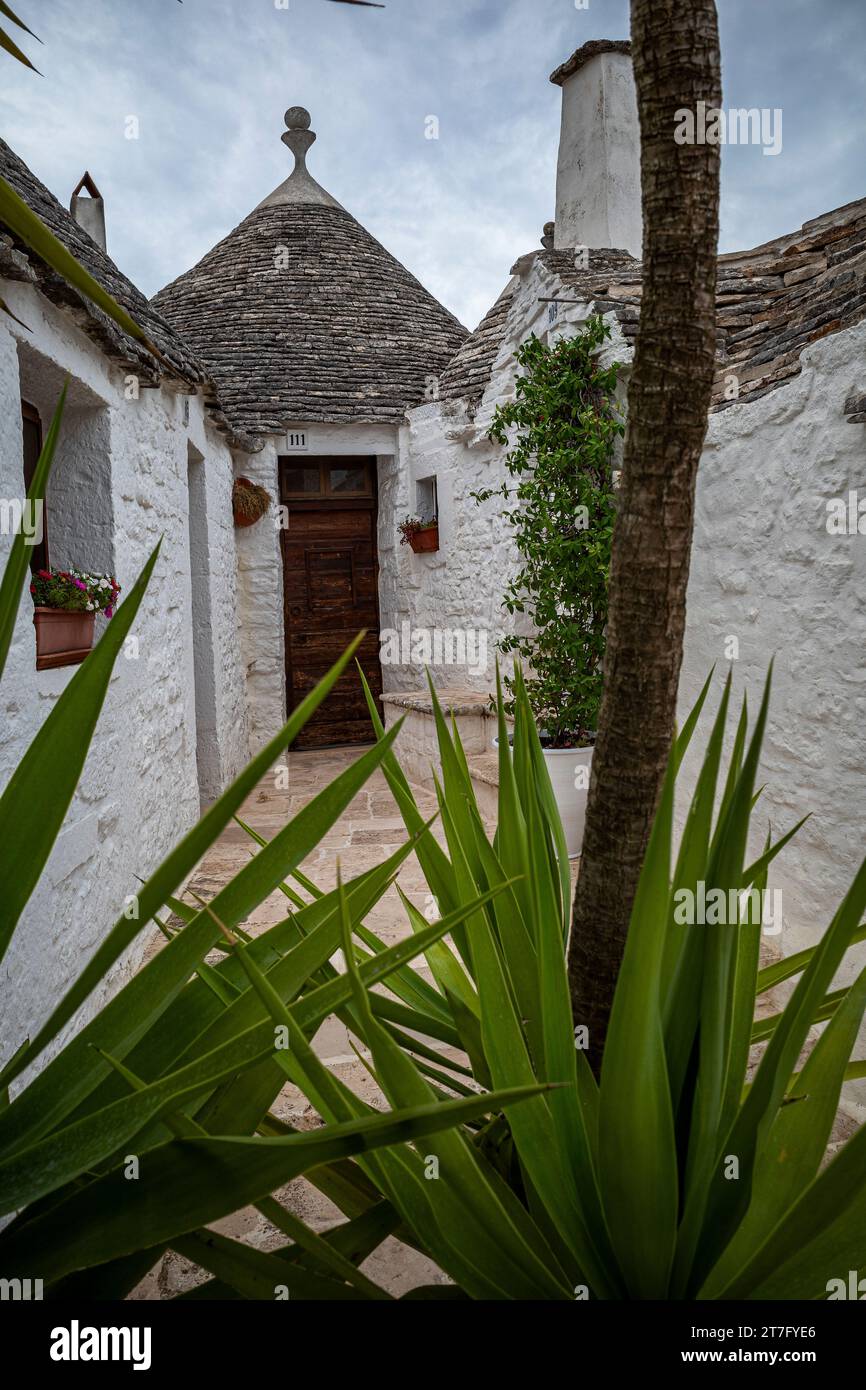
{"x":368,"y":832}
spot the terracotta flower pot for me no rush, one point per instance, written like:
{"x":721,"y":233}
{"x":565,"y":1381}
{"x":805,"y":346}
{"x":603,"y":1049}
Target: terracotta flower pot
{"x":426,"y":540}
{"x":62,"y":639}
{"x":568,"y":769}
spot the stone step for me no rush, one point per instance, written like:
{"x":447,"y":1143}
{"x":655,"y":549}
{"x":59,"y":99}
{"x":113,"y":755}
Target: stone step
{"x":417,"y":746}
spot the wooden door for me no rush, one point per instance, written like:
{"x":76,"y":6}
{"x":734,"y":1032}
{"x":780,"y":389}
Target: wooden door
{"x":331,"y":590}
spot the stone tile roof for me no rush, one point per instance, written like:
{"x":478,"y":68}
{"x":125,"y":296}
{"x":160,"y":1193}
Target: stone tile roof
{"x":771,"y":303}
{"x":468,"y":373}
{"x":583,"y":54}
{"x":301,"y":314}
{"x":612,"y":280}
{"x":774,"y":301}
{"x":20,"y":263}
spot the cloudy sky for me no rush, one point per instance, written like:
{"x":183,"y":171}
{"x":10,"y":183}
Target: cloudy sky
{"x":209,"y":81}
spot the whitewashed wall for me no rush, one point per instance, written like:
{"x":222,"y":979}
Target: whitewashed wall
{"x":123,"y":466}
{"x":765,"y":571}
{"x":459,"y":587}
{"x":262,"y":633}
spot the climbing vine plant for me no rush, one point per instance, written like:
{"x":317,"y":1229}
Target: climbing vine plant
{"x":562,"y":427}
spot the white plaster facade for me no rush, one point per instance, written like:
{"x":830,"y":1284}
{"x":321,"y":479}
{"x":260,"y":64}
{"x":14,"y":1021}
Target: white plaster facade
{"x":765,"y":571}
{"x":454,"y":589}
{"x":121,"y":481}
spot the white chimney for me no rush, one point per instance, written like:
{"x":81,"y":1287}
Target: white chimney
{"x":89,"y":212}
{"x":598,"y":171}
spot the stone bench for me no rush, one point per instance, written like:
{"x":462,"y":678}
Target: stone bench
{"x":417,"y":746}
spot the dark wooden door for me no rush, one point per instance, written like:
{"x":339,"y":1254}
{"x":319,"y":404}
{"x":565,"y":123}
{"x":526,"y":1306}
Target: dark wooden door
{"x":331,"y":590}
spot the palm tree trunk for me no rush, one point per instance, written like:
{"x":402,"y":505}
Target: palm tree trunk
{"x":675,"y":48}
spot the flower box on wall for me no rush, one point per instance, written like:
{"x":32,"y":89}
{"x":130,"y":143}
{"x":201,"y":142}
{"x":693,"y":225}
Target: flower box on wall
{"x":65,"y":605}
{"x":62,"y":639}
{"x":421,"y":536}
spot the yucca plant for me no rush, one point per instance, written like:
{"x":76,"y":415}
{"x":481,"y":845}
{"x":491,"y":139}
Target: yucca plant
{"x":6,"y":40}
{"x":677,"y":1175}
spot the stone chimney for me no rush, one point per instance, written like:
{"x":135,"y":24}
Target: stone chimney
{"x":89,"y":211}
{"x":598,"y":171}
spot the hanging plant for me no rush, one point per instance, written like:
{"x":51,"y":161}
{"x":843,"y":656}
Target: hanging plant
{"x":250,"y":502}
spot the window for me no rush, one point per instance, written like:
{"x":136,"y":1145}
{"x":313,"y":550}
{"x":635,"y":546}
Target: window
{"x":32,"y":429}
{"x":337,"y":478}
{"x":77,"y":534}
{"x":427,"y":499}
{"x":298,"y":482}
{"x":352,"y":479}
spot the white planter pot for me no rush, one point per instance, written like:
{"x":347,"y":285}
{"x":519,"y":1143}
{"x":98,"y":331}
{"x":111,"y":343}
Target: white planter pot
{"x":568,"y":769}
{"x":569,"y":776}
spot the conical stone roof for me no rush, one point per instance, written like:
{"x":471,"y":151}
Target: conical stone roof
{"x":301,"y":314}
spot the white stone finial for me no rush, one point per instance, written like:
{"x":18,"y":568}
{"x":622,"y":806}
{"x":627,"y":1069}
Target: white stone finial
{"x":300,"y":186}
{"x":298,"y":135}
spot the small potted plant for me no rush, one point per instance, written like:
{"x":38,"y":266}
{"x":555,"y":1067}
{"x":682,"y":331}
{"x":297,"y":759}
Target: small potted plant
{"x":422,"y":535}
{"x":66,"y":603}
{"x":250,"y":502}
